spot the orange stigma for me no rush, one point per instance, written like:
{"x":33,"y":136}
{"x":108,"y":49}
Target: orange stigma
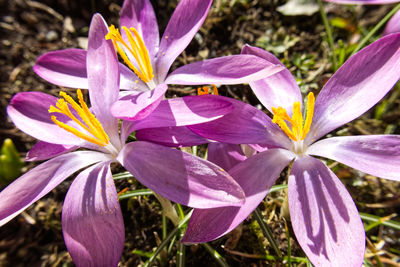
{"x":205,"y":90}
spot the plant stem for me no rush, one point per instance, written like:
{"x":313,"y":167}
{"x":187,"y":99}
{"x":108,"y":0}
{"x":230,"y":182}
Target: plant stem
{"x":328,"y":33}
{"x":267,"y":232}
{"x":217,"y":257}
{"x":166,"y":240}
{"x":376,"y":28}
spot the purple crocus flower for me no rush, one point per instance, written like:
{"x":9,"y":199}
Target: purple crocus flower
{"x":92,"y":222}
{"x":150,"y":59}
{"x":324,"y":217}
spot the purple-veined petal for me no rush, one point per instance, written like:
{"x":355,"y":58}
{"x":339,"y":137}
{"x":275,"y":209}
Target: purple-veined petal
{"x":233,"y":69}
{"x":43,"y":150}
{"x":42,"y":179}
{"x":244,"y":125}
{"x":255,"y":175}
{"x":179,"y":176}
{"x":225,"y":155}
{"x":186,"y":110}
{"x":67,"y":68}
{"x":171,"y":136}
{"x":103,"y":76}
{"x":140,"y":15}
{"x":63,"y":67}
{"x":29,"y":112}
{"x":324,"y":217}
{"x":279,"y":90}
{"x":378,"y":155}
{"x":393,"y":25}
{"x":138,"y":106}
{"x":186,"y":20}
{"x":92,"y":222}
{"x":362,"y":2}
{"x":359,"y":84}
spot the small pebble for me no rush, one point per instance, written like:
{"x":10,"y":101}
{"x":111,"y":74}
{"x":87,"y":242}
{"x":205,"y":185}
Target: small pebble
{"x":51,"y":36}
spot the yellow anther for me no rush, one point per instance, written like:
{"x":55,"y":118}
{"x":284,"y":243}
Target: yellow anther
{"x":137,"y":49}
{"x":87,"y":120}
{"x":310,"y":114}
{"x":205,"y":90}
{"x":298,"y":131}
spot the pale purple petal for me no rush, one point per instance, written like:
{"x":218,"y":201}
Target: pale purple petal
{"x":377,"y":155}
{"x":393,"y":25}
{"x":128,"y":80}
{"x":92,"y":222}
{"x":103,"y":76}
{"x":255,"y":175}
{"x":67,"y":68}
{"x":63,"y":67}
{"x":42,"y":179}
{"x":186,"y":20}
{"x":140,"y":15}
{"x":279,"y":90}
{"x":244,"y":125}
{"x":186,"y":110}
{"x":171,"y":136}
{"x":179,"y":176}
{"x":138,"y":106}
{"x":362,"y":2}
{"x":235,"y":69}
{"x":43,"y":150}
{"x":29,"y":112}
{"x":324,"y":217}
{"x":358,"y":85}
{"x":225,"y":155}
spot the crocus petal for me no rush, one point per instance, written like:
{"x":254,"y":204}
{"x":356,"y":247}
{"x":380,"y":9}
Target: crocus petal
{"x":362,"y":2}
{"x":67,"y":68}
{"x":358,"y":85}
{"x":393,"y":24}
{"x":186,"y":20}
{"x":29,"y":112}
{"x":179,"y":176}
{"x":324,"y":217}
{"x":63,"y":67}
{"x":225,"y":155}
{"x":92,"y":222}
{"x":378,"y":155}
{"x":103,"y":76}
{"x":139,"y":105}
{"x":233,"y":69}
{"x":244,"y":125}
{"x":171,"y":136}
{"x":140,"y":15}
{"x":279,"y":90}
{"x":43,"y":150}
{"x":186,"y":110}
{"x":255,"y":175}
{"x":42,"y":179}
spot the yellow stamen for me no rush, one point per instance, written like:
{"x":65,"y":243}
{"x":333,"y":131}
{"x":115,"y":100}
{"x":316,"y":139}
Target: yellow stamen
{"x":137,"y":48}
{"x":90,"y":123}
{"x":298,"y":131}
{"x":205,"y":90}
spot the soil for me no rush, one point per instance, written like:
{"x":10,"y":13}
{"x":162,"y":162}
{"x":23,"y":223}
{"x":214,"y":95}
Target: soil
{"x":31,"y":28}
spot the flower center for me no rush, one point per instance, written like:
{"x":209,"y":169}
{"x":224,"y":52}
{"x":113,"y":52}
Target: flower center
{"x":136,"y":48}
{"x":95,"y":132}
{"x":299,"y":131}
{"x":205,"y":90}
